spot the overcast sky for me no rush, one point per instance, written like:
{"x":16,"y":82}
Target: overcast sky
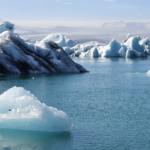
{"x":72,"y":12}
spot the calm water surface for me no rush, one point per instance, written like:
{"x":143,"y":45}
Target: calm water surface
{"x":109,"y":107}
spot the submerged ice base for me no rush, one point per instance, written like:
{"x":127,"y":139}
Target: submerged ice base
{"x":19,"y":109}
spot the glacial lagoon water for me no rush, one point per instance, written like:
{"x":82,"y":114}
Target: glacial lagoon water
{"x":109,"y":107}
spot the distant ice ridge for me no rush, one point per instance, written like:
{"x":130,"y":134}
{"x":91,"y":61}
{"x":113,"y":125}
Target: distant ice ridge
{"x":19,"y":109}
{"x":59,"y":39}
{"x":22,"y":56}
{"x":131,"y":47}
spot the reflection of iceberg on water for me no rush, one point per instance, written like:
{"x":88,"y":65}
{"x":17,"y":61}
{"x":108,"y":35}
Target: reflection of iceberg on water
{"x":28,"y":113}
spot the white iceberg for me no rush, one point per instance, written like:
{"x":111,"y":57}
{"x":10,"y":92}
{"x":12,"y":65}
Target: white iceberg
{"x":59,"y":39}
{"x":84,"y":48}
{"x":132,"y":47}
{"x":131,"y":53}
{"x":111,"y":50}
{"x":91,"y":53}
{"x":19,"y":109}
{"x":19,"y":56}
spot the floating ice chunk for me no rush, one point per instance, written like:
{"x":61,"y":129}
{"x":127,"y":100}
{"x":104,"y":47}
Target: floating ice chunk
{"x":132,"y":54}
{"x":84,"y":50}
{"x":122,"y":52}
{"x":60,"y":40}
{"x":20,"y":109}
{"x":133,"y":43}
{"x":111,"y":50}
{"x":6,"y":26}
{"x":94,"y":52}
{"x":91,"y":53}
{"x":148,"y":73}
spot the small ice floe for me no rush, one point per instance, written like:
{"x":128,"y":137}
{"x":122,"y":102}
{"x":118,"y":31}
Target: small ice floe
{"x":148,"y":73}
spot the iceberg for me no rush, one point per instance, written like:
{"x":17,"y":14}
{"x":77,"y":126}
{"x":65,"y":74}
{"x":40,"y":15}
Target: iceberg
{"x":131,"y":47}
{"x":59,"y":39}
{"x":84,"y":48}
{"x":148,"y":73}
{"x":19,"y":56}
{"x":21,"y":110}
{"x":91,"y":53}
